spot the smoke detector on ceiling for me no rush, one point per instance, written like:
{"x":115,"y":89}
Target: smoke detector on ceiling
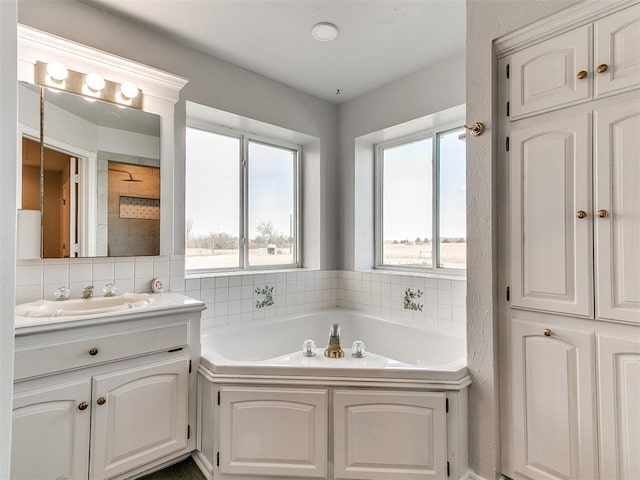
{"x":324,"y":31}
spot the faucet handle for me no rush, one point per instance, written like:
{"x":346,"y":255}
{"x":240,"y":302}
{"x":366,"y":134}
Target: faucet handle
{"x":87,"y":292}
{"x":109,"y":290}
{"x":62,"y":293}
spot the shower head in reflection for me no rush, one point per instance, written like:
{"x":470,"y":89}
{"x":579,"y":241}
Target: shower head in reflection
{"x":130,"y":179}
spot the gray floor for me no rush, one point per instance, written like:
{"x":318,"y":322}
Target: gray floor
{"x":185,"y":470}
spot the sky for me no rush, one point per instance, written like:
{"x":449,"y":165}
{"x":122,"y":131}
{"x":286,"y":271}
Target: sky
{"x":213,"y":184}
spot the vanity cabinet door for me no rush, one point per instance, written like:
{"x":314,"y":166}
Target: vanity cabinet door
{"x":50,"y":437}
{"x":381,"y":435}
{"x":139,"y":415}
{"x":547,"y":75}
{"x":617,"y":38}
{"x":553,"y":405}
{"x":278,"y":432}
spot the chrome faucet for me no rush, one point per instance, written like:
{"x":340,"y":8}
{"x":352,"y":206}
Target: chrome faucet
{"x":334,"y":350}
{"x":87,"y":292}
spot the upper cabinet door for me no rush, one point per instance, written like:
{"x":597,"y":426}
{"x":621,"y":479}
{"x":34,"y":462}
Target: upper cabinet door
{"x":139,"y":415}
{"x":617,"y":206}
{"x":551,"y":224}
{"x":547,"y":75}
{"x":617,"y":51}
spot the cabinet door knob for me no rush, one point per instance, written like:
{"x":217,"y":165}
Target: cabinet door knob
{"x":581,"y":214}
{"x":546,"y":332}
{"x":582,"y":74}
{"x":83,"y":406}
{"x":93,"y":351}
{"x":603,"y":67}
{"x":101,"y":401}
{"x":603,"y":213}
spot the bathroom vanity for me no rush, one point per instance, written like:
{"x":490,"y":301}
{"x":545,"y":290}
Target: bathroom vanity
{"x":109,"y":395}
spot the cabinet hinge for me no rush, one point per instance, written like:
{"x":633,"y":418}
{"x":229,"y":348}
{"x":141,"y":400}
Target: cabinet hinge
{"x":76,"y":178}
{"x":507,"y":144}
{"x":507,"y":109}
{"x":218,"y":397}
{"x":508,"y":294}
{"x":507,"y":70}
{"x":218,"y":459}
{"x":446,"y":405}
{"x":188,"y":432}
{"x":448,"y":469}
{"x":189,"y":365}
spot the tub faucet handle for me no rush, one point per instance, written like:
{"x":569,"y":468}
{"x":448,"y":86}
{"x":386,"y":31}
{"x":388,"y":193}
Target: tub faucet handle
{"x":62,"y":293}
{"x":109,"y":290}
{"x":309,"y":348}
{"x":358,"y":349}
{"x":87,"y":292}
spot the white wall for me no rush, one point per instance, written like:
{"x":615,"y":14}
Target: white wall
{"x":212,"y":82}
{"x":486,"y":20}
{"x":8,"y":153}
{"x":432,"y":89}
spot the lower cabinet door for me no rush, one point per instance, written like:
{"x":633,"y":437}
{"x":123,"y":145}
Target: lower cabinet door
{"x":553,"y":404}
{"x":382,"y":435}
{"x":619,"y":397}
{"x":139,"y":415}
{"x":50,"y":437}
{"x":276,"y":432}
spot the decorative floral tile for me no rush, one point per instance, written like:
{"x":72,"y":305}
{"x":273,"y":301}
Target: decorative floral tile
{"x":264,"y":297}
{"x":409,"y":300}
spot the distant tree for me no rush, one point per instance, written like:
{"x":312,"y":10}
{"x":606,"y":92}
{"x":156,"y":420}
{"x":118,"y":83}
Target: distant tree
{"x":418,"y":241}
{"x":189,"y":226}
{"x":265,"y":228}
{"x":426,"y":241}
{"x":395,"y":242}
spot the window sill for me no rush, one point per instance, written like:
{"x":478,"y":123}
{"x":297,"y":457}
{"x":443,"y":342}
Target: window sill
{"x":461,"y":277}
{"x":234,"y":273}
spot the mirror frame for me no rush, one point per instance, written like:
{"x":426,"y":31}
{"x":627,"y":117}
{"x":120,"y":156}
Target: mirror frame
{"x":160,"y":90}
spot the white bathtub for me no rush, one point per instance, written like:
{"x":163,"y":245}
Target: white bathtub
{"x":393,"y":350}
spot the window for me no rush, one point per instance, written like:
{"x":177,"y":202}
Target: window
{"x":241,"y":202}
{"x":421,"y":202}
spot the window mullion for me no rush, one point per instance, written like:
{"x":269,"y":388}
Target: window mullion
{"x":435,"y":217}
{"x":244,"y":201}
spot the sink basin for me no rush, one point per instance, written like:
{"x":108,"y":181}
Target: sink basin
{"x":81,"y":306}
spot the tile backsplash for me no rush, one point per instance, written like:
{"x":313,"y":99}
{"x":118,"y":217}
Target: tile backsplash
{"x":437,"y":302}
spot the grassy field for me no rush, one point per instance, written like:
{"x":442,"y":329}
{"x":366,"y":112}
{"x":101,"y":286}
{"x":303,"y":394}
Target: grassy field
{"x":452,"y":255}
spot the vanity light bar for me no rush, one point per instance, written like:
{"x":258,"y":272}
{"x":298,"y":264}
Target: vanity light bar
{"x":88,"y":85}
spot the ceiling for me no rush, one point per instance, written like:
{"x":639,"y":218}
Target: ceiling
{"x":378,"y":41}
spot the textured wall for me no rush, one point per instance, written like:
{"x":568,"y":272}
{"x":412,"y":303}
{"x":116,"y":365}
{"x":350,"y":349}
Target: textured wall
{"x":486,"y":21}
{"x":8,"y":153}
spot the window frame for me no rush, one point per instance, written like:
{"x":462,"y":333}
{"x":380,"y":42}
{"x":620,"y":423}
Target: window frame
{"x":245,"y":138}
{"x":433,"y":134}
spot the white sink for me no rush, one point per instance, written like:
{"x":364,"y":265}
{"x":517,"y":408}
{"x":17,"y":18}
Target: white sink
{"x":81,"y":306}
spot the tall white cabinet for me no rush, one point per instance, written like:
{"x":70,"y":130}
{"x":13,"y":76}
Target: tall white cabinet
{"x":569,"y":229}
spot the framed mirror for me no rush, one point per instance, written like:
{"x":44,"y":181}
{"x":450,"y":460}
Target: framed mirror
{"x":92,"y":188}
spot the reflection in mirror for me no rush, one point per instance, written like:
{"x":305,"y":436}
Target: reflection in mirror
{"x":84,"y":199}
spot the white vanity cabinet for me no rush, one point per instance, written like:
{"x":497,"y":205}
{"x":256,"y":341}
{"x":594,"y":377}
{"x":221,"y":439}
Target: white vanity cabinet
{"x":381,"y":435}
{"x":591,"y":61}
{"x":115,"y":398}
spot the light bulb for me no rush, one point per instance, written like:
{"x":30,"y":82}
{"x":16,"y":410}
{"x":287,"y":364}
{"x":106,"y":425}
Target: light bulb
{"x":95,"y":82}
{"x":57,"y":71}
{"x":129,"y":90}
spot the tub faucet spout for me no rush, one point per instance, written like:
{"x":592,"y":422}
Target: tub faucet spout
{"x":334,"y":350}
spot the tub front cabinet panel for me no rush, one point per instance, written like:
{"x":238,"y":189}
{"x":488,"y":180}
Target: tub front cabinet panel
{"x":619,"y":394}
{"x":140,"y":415}
{"x":554,"y":427}
{"x":278,"y":432}
{"x":381,"y":435}
{"x":61,"y":450}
